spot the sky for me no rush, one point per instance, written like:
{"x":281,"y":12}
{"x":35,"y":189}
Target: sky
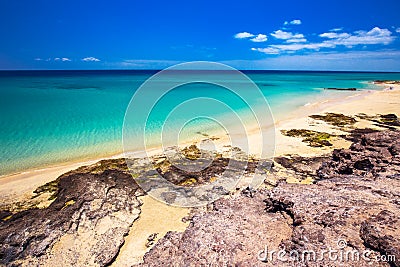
{"x":138,"y":34}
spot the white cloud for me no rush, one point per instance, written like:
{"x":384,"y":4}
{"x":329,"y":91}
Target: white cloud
{"x":243,"y":35}
{"x":61,"y":59}
{"x":279,"y":34}
{"x":296,"y":40}
{"x":259,"y":38}
{"x":383,"y":60}
{"x":298,"y":46}
{"x":38,"y":59}
{"x":336,"y":29}
{"x":374,"y":36}
{"x":295,"y":22}
{"x":142,"y":64}
{"x":267,"y":50}
{"x":90,"y":59}
{"x":398,"y":30}
{"x":332,"y":35}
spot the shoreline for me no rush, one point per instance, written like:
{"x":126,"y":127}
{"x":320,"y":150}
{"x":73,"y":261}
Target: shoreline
{"x":278,"y":118}
{"x":25,"y":182}
{"x":156,"y":219}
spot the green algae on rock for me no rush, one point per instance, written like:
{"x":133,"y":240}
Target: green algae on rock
{"x":335,"y":119}
{"x":313,"y":138}
{"x":103,"y":165}
{"x":390,"y":121}
{"x":191,"y":152}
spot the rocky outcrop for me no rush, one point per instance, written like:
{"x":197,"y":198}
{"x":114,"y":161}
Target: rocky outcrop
{"x":336,"y":214}
{"x":380,"y":233}
{"x":92,"y":211}
{"x":312,"y":138}
{"x":88,"y":211}
{"x":332,"y":214}
{"x":386,"y":82}
{"x":189,"y":177}
{"x":373,"y":155}
{"x":352,"y":210}
{"x":388,"y":121}
{"x":230,"y":231}
{"x":353,"y":214}
{"x":341,"y":89}
{"x":335,"y":119}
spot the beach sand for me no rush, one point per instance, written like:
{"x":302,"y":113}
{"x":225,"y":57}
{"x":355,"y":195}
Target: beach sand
{"x":158,"y":218}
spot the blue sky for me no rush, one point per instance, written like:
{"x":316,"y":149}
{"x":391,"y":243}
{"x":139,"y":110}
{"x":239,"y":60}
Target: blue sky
{"x":132,"y":34}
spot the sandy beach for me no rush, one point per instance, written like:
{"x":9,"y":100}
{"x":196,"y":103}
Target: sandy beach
{"x":19,"y":187}
{"x":367,"y":101}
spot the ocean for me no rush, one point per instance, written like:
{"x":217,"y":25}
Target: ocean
{"x":53,"y":117}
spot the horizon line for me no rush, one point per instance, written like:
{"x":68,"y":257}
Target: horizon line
{"x":244,"y":70}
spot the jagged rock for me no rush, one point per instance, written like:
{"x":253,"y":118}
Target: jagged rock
{"x":90,"y":211}
{"x":233,"y":231}
{"x":354,"y":214}
{"x":356,"y":134}
{"x":302,"y":166}
{"x":389,"y":121}
{"x":380,"y":233}
{"x":333,"y":210}
{"x":190,"y":176}
{"x":375,"y":154}
{"x":356,"y":203}
{"x":291,"y":217}
{"x":93,"y":209}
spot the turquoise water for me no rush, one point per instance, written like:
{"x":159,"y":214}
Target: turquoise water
{"x":51,"y":117}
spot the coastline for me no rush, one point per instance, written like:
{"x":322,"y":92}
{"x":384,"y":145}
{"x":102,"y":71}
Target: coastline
{"x":156,"y":219}
{"x":23,"y":183}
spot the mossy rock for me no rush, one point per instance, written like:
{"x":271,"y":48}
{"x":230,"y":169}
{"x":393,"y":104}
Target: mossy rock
{"x":163,"y":165}
{"x":101,"y":166}
{"x":389,"y":119}
{"x":188,"y":182}
{"x":313,"y":138}
{"x":191,"y":152}
{"x":384,"y":120}
{"x":108,"y":164}
{"x":335,"y":119}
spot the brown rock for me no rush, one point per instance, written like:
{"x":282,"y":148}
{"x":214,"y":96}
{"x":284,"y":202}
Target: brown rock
{"x":94,"y":206}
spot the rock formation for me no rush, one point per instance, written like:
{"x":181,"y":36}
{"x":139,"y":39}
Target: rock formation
{"x":353,"y":208}
{"x":93,"y":210}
